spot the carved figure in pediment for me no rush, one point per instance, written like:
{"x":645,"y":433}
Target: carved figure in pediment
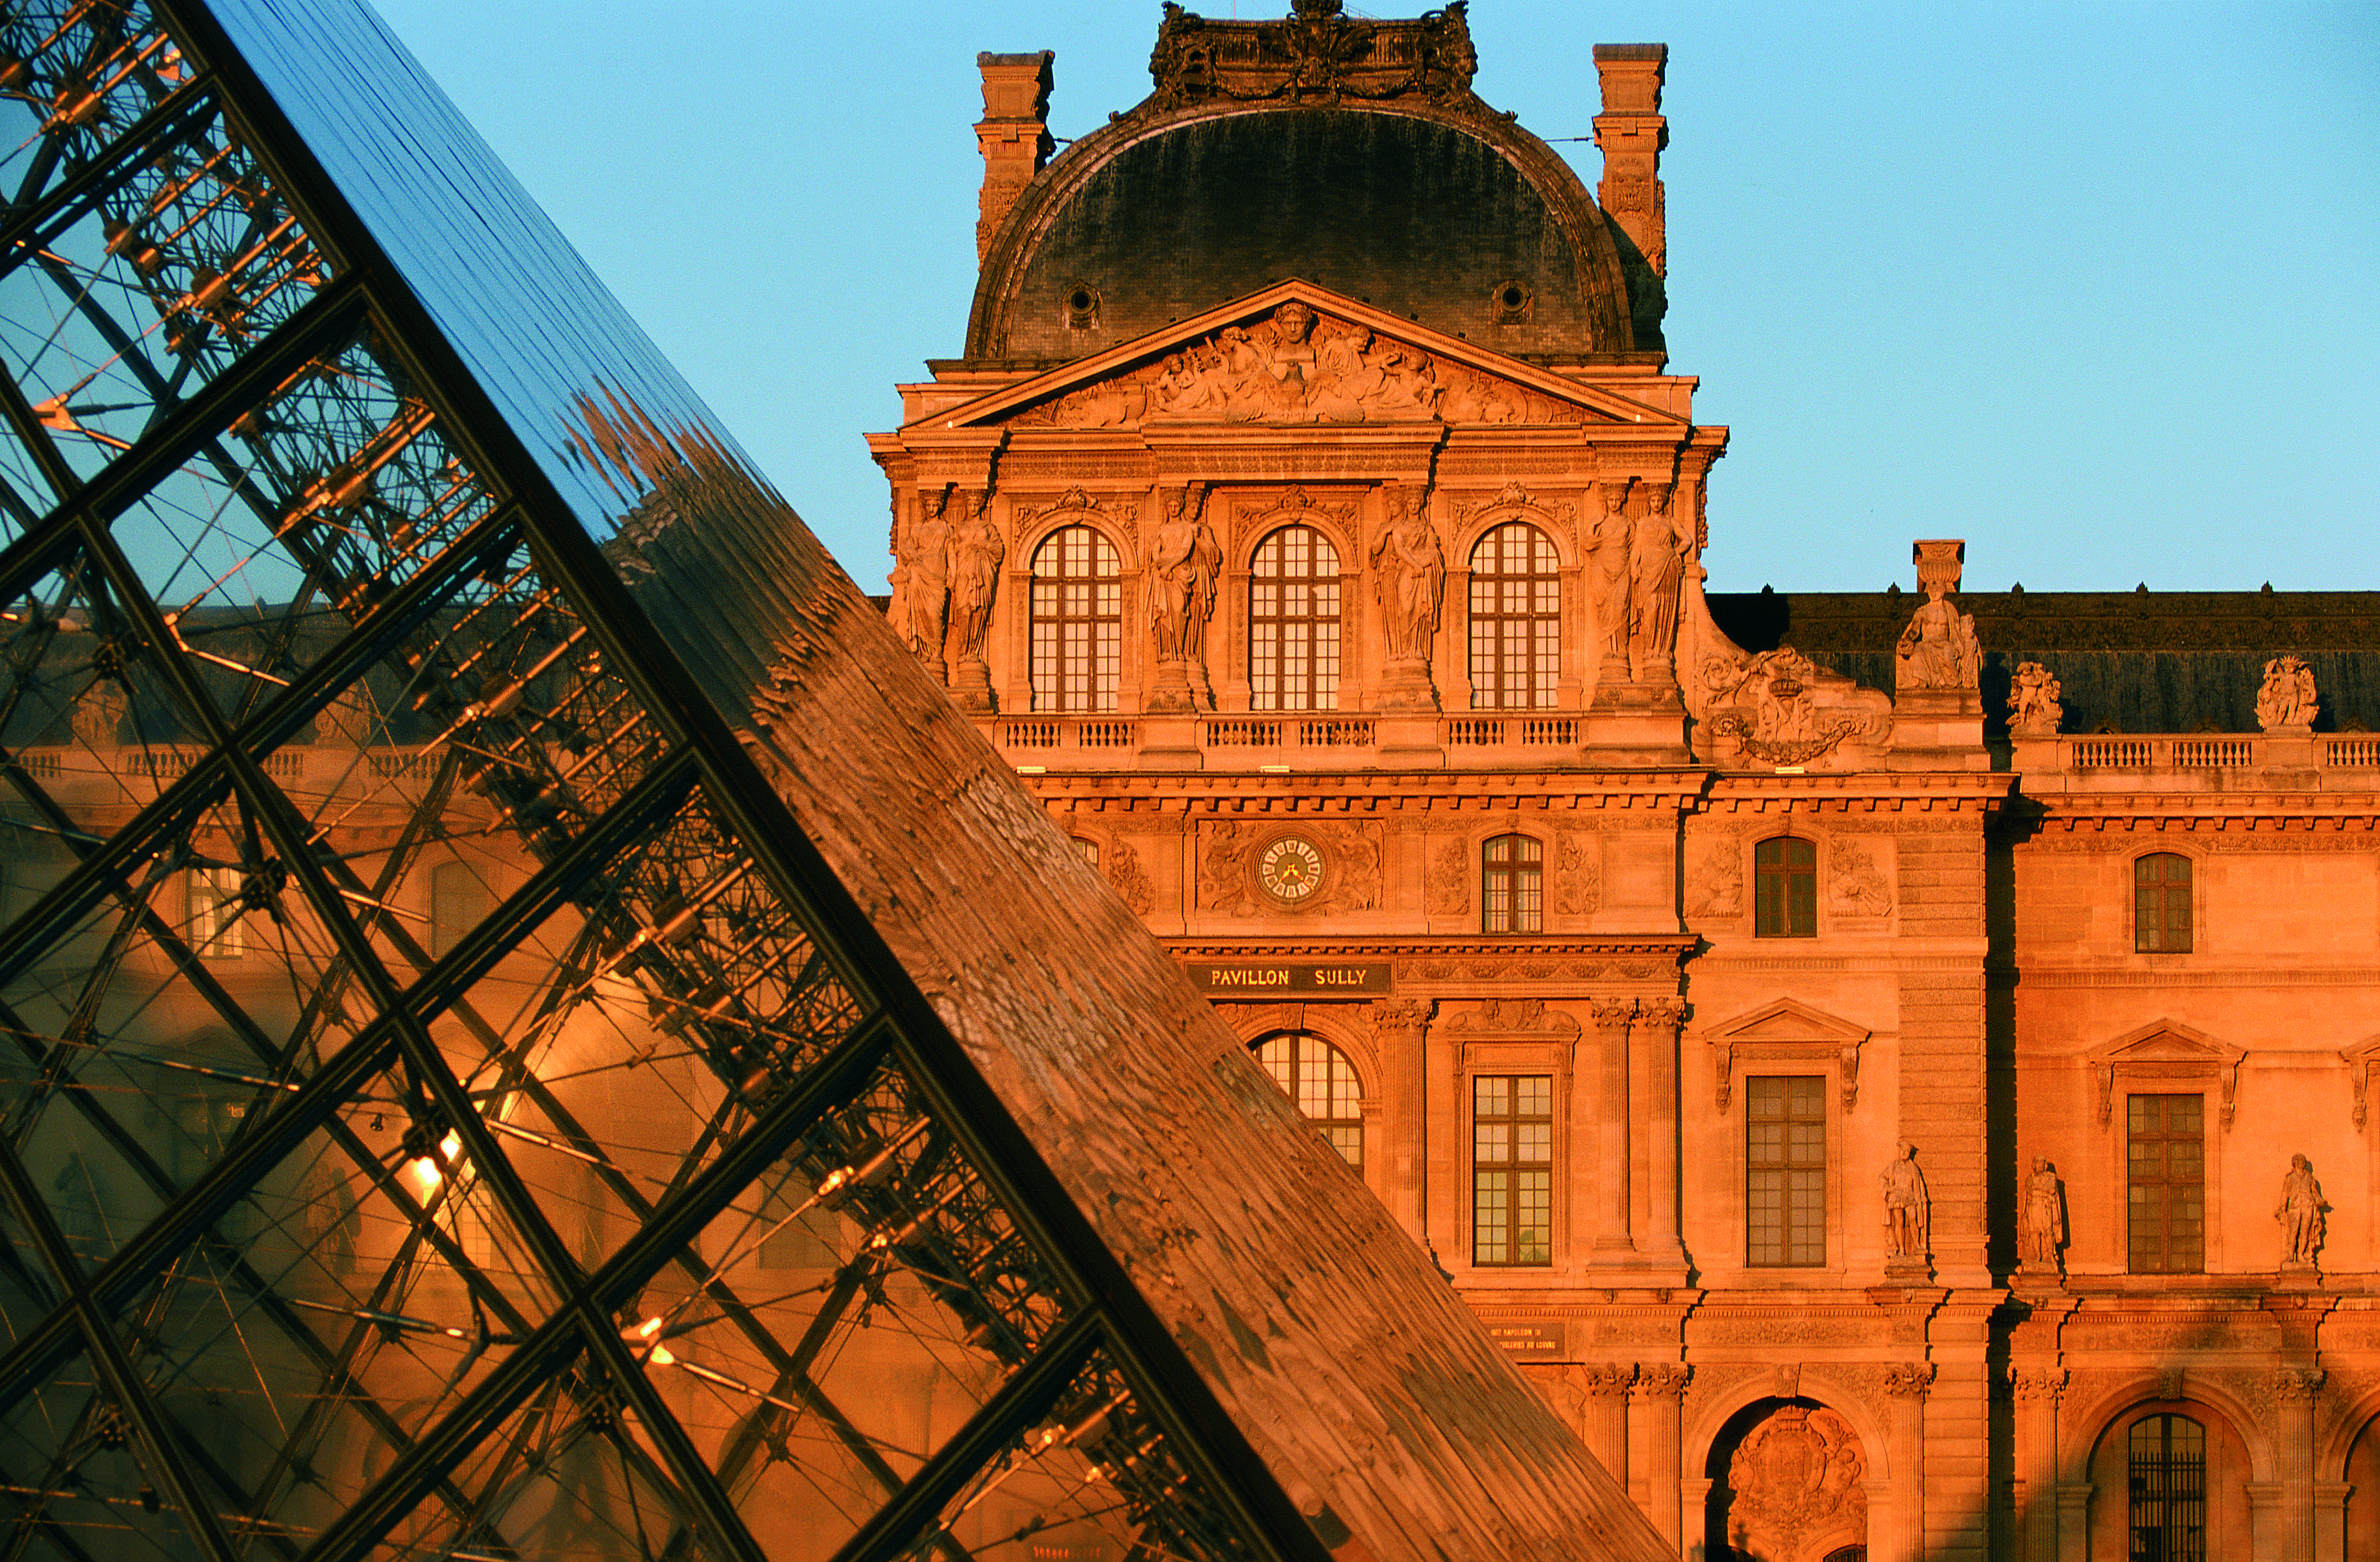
{"x":2288,"y":697}
{"x":1406,"y":386}
{"x":1659,"y":549}
{"x":1907,"y":1214}
{"x":2041,"y":1227}
{"x":1609,"y":544}
{"x":98,"y":712}
{"x":2033,"y":710}
{"x":1408,"y":577}
{"x":921,"y":579}
{"x":1939,"y":650}
{"x":1183,"y":563}
{"x":1783,"y":708}
{"x":2300,"y":1213}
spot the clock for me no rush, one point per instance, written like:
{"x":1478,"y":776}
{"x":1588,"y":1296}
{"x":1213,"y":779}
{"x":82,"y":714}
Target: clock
{"x":1290,"y":869}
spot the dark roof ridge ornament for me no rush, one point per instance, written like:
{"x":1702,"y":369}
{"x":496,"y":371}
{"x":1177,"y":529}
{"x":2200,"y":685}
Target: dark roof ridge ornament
{"x":1317,"y":55}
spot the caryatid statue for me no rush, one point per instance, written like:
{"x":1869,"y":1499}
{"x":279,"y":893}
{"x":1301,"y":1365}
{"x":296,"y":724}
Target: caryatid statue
{"x":921,"y":579}
{"x":2301,"y":1213}
{"x":1609,"y":544}
{"x":1907,"y":1216}
{"x":975,"y":553}
{"x":1183,"y":563}
{"x":1658,"y":551}
{"x":1408,"y":582}
{"x":1408,"y":577}
{"x":2041,"y":1224}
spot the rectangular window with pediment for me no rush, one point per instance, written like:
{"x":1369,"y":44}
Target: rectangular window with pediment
{"x":2165,"y":1183}
{"x":1785,"y":1172}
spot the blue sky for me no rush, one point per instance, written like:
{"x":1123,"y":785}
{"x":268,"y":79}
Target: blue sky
{"x":2096,"y":286}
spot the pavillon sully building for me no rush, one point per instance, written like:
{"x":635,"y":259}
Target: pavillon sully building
{"x":1854,"y":1052}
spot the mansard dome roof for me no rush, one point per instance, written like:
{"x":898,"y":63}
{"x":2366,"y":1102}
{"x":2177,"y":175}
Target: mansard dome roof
{"x":1386,"y":180}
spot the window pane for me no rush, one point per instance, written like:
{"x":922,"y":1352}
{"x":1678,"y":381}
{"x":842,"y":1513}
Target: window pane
{"x":1785,"y":1170}
{"x":1323,"y":1084}
{"x":1077,"y":628}
{"x":1515,"y":618}
{"x":1512,"y":1175}
{"x":1293,"y":622}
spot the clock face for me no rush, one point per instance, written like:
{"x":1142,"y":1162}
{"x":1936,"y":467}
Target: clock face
{"x":1290,"y":869}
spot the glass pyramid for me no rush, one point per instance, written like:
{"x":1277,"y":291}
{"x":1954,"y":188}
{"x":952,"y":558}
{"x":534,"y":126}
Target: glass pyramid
{"x":529,"y":1030}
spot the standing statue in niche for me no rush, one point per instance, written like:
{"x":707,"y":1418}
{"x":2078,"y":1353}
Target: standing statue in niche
{"x":2301,"y":1213}
{"x":975,"y":553}
{"x":2287,"y":699}
{"x":1608,"y":545}
{"x":1408,"y":577}
{"x":921,"y":580}
{"x":1659,"y":549}
{"x":1907,"y":1216}
{"x":1183,"y":561}
{"x":2041,"y":1226}
{"x":2033,"y":710}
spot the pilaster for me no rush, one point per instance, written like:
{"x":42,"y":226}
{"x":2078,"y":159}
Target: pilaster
{"x":1399,"y":1028}
{"x":1661,"y":1386}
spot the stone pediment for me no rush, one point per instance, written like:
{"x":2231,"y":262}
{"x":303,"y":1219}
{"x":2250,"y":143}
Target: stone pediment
{"x":2164,"y":1050}
{"x":1298,"y":355}
{"x":1786,"y":1031}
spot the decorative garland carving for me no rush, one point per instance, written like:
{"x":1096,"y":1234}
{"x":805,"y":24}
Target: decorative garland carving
{"x":1578,"y":883}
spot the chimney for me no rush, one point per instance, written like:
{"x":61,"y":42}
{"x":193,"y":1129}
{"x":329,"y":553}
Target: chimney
{"x":1013,"y":135}
{"x":1631,"y":133}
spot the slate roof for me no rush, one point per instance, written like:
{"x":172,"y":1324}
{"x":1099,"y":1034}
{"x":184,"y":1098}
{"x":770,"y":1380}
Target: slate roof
{"x":2131,"y":662}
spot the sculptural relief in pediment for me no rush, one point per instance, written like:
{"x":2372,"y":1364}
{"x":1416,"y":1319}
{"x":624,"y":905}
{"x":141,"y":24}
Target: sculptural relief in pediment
{"x":1780,"y":708}
{"x":1298,"y":367}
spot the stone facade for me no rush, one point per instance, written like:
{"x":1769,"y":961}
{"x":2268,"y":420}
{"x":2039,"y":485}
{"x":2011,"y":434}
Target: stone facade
{"x":1770,"y":1033}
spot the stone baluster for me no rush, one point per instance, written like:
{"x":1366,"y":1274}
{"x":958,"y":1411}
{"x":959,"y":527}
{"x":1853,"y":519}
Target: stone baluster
{"x":1907,"y":1384}
{"x":2037,"y":1390}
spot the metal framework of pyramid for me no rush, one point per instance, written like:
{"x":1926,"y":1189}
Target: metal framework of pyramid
{"x":526,"y":1028}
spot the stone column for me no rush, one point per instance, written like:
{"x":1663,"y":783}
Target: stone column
{"x":1662,"y":1385}
{"x":1014,"y":134}
{"x":1446,"y":1139}
{"x":2293,"y":1390}
{"x":1906,"y":1384}
{"x":2037,"y":1390}
{"x":1399,"y":1025}
{"x":1613,"y":1241}
{"x":1607,"y":1388}
{"x":1657,"y":1020}
{"x":1631,"y":132}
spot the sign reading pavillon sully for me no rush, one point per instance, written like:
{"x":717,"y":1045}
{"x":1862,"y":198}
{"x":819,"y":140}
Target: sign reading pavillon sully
{"x":1306,"y":977}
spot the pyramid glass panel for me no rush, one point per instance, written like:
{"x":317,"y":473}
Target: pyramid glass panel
{"x":533,"y":1030}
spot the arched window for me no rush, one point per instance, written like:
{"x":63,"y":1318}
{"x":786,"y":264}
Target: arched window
{"x":1318,"y":1077}
{"x":1078,"y":621}
{"x":1293,"y":622}
{"x":1515,"y":618}
{"x":2168,"y":1489}
{"x":1511,"y":887}
{"x":2161,"y":917}
{"x":1785,"y":889}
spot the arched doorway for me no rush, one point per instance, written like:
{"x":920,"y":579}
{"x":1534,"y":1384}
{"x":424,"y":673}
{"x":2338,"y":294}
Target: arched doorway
{"x":2172,"y":1482}
{"x":1787,"y":1485}
{"x":2363,"y":1496}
